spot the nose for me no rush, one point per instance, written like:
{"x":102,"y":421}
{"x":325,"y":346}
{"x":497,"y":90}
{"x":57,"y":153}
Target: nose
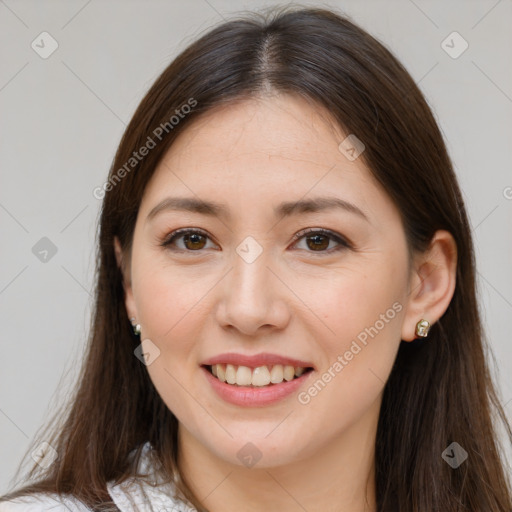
{"x":253,"y":298}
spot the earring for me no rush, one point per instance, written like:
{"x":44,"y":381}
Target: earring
{"x":422,"y":328}
{"x":135,"y":327}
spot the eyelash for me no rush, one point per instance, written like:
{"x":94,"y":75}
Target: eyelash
{"x":343,"y":243}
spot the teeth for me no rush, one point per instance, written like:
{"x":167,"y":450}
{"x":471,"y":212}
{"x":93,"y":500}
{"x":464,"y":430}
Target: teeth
{"x":230,"y":374}
{"x":221,"y":373}
{"x":276,"y":374}
{"x":243,"y":376}
{"x":260,"y":376}
{"x":289,"y":372}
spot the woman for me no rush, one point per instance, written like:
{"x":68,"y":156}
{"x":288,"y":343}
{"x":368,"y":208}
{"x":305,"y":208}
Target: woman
{"x":286,"y":316}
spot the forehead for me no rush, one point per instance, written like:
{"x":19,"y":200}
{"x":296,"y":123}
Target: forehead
{"x":261,"y":151}
{"x":278,"y":126}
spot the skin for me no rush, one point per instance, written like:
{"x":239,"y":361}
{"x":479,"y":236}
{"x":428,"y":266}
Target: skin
{"x":293,"y":300}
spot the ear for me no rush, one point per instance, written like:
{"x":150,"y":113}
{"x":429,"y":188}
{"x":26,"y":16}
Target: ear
{"x":432,"y":283}
{"x":123,"y":265}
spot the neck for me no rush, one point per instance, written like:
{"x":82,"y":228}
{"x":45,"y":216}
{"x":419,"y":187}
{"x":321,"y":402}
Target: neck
{"x":340,"y":476}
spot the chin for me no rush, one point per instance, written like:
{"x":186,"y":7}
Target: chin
{"x":256,"y":452}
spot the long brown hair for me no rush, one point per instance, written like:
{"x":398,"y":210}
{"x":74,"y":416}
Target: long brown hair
{"x":439,"y":392}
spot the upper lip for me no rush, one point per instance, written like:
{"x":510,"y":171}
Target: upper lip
{"x":256,"y":360}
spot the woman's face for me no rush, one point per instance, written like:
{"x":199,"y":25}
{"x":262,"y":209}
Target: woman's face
{"x":244,"y":286}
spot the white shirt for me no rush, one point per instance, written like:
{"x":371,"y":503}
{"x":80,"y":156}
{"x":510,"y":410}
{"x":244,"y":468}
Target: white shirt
{"x":133,"y":495}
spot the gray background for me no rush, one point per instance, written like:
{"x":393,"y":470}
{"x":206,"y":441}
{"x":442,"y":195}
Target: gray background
{"x":62,"y":118}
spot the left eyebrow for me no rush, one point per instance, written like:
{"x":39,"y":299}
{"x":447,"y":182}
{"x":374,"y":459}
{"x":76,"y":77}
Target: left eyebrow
{"x":284,"y":209}
{"x":317,"y":204}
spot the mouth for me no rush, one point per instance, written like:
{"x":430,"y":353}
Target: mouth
{"x":258,"y":377}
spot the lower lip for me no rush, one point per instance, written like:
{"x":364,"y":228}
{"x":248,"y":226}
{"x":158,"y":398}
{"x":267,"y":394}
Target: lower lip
{"x":249,"y":396}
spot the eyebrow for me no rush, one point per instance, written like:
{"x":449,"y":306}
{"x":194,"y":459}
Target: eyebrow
{"x":285,"y":209}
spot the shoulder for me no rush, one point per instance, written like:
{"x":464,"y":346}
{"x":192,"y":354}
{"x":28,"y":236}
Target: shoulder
{"x":40,"y":502}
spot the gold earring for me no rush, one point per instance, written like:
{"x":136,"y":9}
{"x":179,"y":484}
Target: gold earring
{"x":422,"y":328}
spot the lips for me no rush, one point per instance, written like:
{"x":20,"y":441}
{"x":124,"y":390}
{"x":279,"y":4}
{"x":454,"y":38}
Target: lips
{"x":254,"y":361}
{"x":255,"y":396}
{"x":277,"y":377}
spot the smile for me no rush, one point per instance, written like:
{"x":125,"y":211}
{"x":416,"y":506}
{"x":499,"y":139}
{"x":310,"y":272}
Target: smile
{"x":260,"y":376}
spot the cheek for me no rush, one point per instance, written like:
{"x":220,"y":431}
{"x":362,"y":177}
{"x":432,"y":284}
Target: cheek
{"x":168,"y":305}
{"x":359,"y":355}
{"x":354,"y":300}
{"x":166,"y":298}
{"x":169,"y":377}
{"x":361,"y":312}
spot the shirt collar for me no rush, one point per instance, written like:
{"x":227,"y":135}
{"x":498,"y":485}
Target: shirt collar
{"x":149,"y":493}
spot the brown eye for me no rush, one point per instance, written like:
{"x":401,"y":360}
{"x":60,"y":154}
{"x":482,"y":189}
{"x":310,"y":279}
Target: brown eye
{"x":196,"y":241}
{"x":318,"y":240}
{"x":193,"y":240}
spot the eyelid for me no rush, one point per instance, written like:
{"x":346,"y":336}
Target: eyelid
{"x":342,"y":241}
